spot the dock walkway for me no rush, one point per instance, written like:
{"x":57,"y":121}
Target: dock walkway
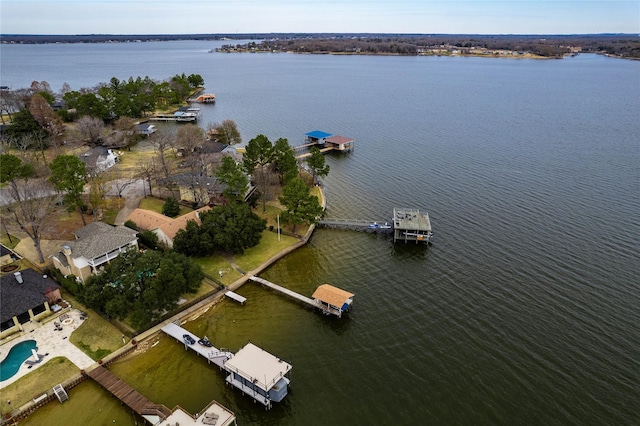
{"x":128,"y":395}
{"x":356,"y":224}
{"x":304,"y":299}
{"x":211,"y":353}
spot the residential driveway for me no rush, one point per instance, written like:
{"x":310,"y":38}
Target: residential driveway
{"x":133,"y":194}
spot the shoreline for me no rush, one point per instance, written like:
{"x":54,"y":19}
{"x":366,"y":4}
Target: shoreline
{"x":141,"y":342}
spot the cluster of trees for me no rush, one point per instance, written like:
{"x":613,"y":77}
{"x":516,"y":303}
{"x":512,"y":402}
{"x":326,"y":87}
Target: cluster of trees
{"x":36,"y":192}
{"x":37,"y":114}
{"x":129,"y":98}
{"x":627,"y":46}
{"x":230,"y":228}
{"x":274,"y":165}
{"x":142,"y":286}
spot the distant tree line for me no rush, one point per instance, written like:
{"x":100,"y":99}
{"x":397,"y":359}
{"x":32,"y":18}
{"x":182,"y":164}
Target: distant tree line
{"x":625,"y":46}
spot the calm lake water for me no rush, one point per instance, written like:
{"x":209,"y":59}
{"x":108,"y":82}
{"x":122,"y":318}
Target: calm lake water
{"x":525,"y":310}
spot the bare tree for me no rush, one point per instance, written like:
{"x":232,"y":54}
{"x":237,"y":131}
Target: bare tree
{"x":189,"y":138}
{"x":41,"y":86}
{"x":125,"y":131}
{"x":34,"y":201}
{"x":147,"y":172}
{"x":66,"y":88}
{"x":98,"y":189}
{"x":91,"y":129}
{"x":46,"y":117}
{"x":120,"y":181}
{"x":162,"y":141}
{"x":227,"y":133}
{"x":8,"y":104}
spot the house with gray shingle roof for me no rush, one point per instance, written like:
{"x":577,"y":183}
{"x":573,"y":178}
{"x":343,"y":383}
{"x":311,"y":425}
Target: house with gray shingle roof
{"x":95,"y":244}
{"x":26,"y":296}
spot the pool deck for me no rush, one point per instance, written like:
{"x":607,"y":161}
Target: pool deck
{"x":50,"y":341}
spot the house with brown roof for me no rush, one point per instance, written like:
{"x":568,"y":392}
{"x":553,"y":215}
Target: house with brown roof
{"x":26,"y":295}
{"x":163,"y":226}
{"x":95,"y":244}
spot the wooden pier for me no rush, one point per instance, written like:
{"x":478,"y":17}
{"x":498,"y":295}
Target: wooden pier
{"x":182,"y":115}
{"x":408,"y":225}
{"x":211,"y":353}
{"x":357,"y":224}
{"x":128,"y":395}
{"x":296,"y":296}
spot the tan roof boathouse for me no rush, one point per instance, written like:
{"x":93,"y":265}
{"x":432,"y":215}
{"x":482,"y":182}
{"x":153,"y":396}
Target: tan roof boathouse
{"x":333,"y":299}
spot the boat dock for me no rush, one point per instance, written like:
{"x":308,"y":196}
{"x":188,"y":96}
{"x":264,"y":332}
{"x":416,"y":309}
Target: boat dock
{"x":325,"y":141}
{"x":411,"y":225}
{"x":235,"y":296}
{"x":181,"y":115}
{"x":253,"y":370}
{"x":314,"y":303}
{"x":407,"y":225}
{"x":212,"y":354}
{"x":357,"y":224}
{"x":158,"y":414}
{"x":128,"y":395}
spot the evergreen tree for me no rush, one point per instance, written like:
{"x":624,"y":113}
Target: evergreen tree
{"x":232,"y":175}
{"x":316,"y":163}
{"x":302,"y":206}
{"x":68,"y":176}
{"x":171,"y":207}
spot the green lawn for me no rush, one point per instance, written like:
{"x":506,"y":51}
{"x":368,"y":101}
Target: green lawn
{"x":212,"y":266}
{"x":4,"y":239}
{"x":269,"y":246}
{"x":252,"y":258}
{"x":39,"y":381}
{"x":155,"y":204}
{"x":96,"y":336}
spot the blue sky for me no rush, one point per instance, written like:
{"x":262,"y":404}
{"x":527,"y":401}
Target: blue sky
{"x":373,"y":16}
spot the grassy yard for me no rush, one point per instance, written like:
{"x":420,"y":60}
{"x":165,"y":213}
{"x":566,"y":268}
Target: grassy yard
{"x":4,"y":239}
{"x":212,"y":266}
{"x":96,"y":337}
{"x":269,"y":246}
{"x":114,"y":205}
{"x":251,"y":258}
{"x":55,"y":371}
{"x":155,"y":204}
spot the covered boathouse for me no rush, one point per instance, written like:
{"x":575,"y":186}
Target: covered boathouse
{"x":259,"y":374}
{"x":328,"y":142}
{"x":333,"y":300}
{"x":411,"y":225}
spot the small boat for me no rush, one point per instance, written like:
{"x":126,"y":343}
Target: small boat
{"x":188,"y":339}
{"x":385,"y":226}
{"x":205,"y":342}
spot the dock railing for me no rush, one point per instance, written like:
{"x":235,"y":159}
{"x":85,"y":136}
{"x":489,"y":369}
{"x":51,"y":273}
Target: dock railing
{"x":359,"y":224}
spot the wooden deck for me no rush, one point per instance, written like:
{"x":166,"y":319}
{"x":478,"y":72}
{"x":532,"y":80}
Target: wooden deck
{"x":308,"y":154}
{"x":128,"y":395}
{"x":304,"y":299}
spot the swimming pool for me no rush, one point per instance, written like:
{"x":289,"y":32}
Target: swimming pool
{"x":17,"y":355}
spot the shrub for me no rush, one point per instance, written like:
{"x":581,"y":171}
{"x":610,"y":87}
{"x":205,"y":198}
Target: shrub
{"x":131,"y":224}
{"x":171,"y":207}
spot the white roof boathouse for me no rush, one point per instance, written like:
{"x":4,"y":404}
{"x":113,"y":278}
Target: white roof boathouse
{"x":258,"y":374}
